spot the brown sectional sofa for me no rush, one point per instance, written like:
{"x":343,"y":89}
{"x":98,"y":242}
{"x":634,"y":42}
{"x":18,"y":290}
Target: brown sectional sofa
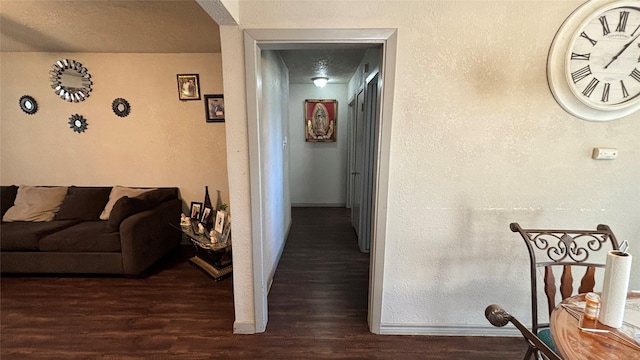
{"x":136,"y":235}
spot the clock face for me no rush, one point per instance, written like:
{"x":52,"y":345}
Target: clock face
{"x":603,"y":59}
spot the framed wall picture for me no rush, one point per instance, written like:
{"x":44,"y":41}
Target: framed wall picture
{"x":320,"y":120}
{"x":188,"y":87}
{"x":196,"y":208}
{"x":214,"y":108}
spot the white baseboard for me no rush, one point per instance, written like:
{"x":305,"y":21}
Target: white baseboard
{"x":278,"y":256}
{"x":244,"y":328}
{"x":448,"y":330}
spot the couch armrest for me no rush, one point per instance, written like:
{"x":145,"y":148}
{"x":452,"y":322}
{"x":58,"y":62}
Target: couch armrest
{"x":146,"y":237}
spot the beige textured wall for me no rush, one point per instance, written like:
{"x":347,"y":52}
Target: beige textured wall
{"x":163,"y":142}
{"x":477,"y":142}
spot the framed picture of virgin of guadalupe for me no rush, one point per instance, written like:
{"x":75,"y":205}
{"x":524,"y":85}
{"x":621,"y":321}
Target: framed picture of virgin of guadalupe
{"x":320,"y":120}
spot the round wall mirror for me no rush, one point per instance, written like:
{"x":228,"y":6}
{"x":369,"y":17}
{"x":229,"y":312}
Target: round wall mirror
{"x":70,"y":80}
{"x":78,"y":123}
{"x":28,"y":104}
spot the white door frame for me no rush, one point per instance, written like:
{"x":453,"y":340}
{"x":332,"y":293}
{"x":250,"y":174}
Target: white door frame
{"x":256,"y":40}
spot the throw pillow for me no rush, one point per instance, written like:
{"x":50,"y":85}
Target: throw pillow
{"x":157,"y":197}
{"x":122,"y":209}
{"x":116,"y":193}
{"x":83,"y":203}
{"x":36,"y":203}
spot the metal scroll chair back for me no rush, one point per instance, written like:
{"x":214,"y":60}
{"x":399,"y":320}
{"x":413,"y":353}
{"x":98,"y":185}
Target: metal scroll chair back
{"x":565,"y":250}
{"x":497,"y":316}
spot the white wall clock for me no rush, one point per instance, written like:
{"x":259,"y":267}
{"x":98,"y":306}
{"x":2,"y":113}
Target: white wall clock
{"x":593,"y":68}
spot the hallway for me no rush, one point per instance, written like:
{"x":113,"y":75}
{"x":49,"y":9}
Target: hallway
{"x":318,"y":302}
{"x":322,"y":278}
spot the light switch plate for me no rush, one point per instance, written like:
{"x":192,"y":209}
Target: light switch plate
{"x":604,"y":153}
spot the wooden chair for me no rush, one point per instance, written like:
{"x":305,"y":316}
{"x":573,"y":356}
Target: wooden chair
{"x":565,"y":249}
{"x":498,"y":317}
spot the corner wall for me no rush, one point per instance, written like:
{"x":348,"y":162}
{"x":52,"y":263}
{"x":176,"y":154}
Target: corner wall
{"x":477,"y":142}
{"x":163,"y":142}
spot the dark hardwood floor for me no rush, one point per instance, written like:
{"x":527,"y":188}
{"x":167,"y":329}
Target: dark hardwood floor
{"x":317,"y":310}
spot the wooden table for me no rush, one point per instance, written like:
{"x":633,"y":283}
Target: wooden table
{"x":573,"y":343}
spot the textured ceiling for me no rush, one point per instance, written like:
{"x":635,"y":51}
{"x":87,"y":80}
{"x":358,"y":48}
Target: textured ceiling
{"x":112,"y":26}
{"x":149,"y":26}
{"x":338,"y":65}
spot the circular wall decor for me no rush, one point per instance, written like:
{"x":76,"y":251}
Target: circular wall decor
{"x":78,"y":123}
{"x":70,"y":80}
{"x":28,"y":104}
{"x":593,"y":66}
{"x":121,"y":107}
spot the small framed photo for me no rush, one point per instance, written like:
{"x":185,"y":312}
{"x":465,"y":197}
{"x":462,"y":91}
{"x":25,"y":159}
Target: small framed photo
{"x":214,"y":108}
{"x":219,"y":222}
{"x":206,"y":214}
{"x":196,"y":208}
{"x":188,"y":87}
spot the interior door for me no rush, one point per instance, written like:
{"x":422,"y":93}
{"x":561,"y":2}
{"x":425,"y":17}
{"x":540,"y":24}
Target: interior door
{"x":356,"y":173}
{"x":350,"y":154}
{"x":368,"y":158}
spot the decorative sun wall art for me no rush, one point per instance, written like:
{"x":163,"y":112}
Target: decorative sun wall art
{"x":121,"y":107}
{"x":28,"y":104}
{"x":78,"y":123}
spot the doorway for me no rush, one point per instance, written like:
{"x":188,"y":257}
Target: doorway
{"x":257,"y":40}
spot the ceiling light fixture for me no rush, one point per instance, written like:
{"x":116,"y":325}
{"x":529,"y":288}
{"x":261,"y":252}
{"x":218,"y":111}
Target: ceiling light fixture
{"x":320,"y":81}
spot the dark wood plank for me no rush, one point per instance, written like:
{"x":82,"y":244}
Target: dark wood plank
{"x":317,"y":309}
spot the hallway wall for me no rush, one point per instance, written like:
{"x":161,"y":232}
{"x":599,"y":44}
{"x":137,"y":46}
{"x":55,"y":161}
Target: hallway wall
{"x":318,"y":170}
{"x":274,"y":127}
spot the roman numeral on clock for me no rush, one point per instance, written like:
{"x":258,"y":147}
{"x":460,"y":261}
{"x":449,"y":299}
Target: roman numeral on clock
{"x":581,"y":74}
{"x":584,"y":35}
{"x":622,"y":24}
{"x":635,"y":74}
{"x":592,"y":86}
{"x":575,"y":56}
{"x":605,"y":25}
{"x":605,"y":92}
{"x":625,"y":93}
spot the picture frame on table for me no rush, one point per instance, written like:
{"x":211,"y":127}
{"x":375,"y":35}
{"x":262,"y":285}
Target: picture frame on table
{"x":320,"y":120}
{"x":188,"y":86}
{"x":206,"y":215}
{"x":214,"y":108}
{"x":219,"y":226}
{"x":196,"y":210}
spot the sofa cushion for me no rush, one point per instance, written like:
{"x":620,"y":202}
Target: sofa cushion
{"x":87,"y":236}
{"x":36,"y":203}
{"x":158,"y":196}
{"x":7,"y":197}
{"x":83,"y":203}
{"x":116,"y":193}
{"x":123,"y":208}
{"x":24,"y":235}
